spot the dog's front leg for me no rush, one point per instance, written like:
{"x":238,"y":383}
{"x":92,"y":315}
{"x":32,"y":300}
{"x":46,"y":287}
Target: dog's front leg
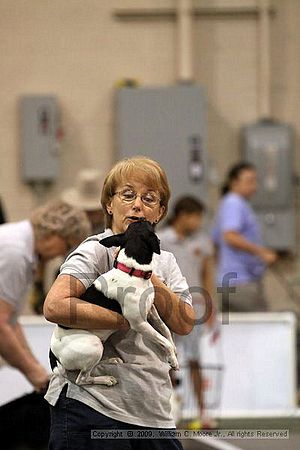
{"x":147,"y":330}
{"x":159,"y":324}
{"x":84,"y":377}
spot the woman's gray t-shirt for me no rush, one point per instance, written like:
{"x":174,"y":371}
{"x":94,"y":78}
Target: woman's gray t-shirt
{"x":142,"y":394}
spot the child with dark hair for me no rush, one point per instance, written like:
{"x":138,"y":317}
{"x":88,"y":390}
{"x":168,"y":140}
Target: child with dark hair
{"x":193,"y":251}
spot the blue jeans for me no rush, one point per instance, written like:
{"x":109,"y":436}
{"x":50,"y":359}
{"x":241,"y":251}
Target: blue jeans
{"x":72,"y":422}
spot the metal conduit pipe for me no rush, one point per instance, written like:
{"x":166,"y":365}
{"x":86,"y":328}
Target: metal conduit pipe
{"x":184,"y":41}
{"x":264,"y":109}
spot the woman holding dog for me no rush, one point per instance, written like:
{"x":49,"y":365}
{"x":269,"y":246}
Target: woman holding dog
{"x":134,"y":189}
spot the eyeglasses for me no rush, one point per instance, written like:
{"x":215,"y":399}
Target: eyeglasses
{"x":149,"y":199}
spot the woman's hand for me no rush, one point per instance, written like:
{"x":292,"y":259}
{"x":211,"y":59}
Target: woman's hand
{"x":38,"y":377}
{"x":178,"y":315}
{"x":64,"y":306}
{"x":268,"y":256}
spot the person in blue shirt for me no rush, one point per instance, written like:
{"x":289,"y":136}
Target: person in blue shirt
{"x":241,"y":256}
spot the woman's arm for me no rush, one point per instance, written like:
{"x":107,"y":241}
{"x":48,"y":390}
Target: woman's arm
{"x":14,"y":349}
{"x":207,"y":277}
{"x":238,"y":241}
{"x":64,"y":306}
{"x":178,"y":315}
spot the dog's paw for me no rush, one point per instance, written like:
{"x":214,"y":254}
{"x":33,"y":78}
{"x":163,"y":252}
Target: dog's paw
{"x":175,"y":366}
{"x":113,"y":361}
{"x":173,"y":362}
{"x":109,"y":380}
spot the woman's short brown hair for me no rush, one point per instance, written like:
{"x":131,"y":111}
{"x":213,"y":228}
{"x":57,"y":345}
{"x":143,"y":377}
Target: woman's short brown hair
{"x":66,"y":221}
{"x":138,"y":168}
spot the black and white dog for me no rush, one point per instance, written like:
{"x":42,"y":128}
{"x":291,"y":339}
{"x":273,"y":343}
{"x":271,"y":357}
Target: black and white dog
{"x":130,"y":289}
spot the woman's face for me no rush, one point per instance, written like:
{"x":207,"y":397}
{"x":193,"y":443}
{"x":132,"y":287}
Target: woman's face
{"x":125,"y":209}
{"x":51,"y":246}
{"x":246,"y":183}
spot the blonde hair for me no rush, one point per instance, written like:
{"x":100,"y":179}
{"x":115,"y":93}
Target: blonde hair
{"x":138,"y":168}
{"x":66,"y":221}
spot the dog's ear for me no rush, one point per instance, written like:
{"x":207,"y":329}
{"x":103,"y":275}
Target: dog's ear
{"x":116,"y":240}
{"x":154,"y":241}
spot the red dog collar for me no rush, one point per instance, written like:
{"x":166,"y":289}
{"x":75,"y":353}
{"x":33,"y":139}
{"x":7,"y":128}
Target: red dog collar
{"x":133,"y":272}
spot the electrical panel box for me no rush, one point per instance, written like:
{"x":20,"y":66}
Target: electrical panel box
{"x":167,"y":124}
{"x":269,"y":146}
{"x":39,"y":121}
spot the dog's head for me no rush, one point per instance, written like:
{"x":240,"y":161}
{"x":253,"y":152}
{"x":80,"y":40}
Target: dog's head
{"x":139,"y":241}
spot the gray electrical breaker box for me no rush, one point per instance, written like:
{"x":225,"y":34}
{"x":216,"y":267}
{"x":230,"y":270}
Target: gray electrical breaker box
{"x":167,"y":124}
{"x":39,"y":121}
{"x":269,"y":146}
